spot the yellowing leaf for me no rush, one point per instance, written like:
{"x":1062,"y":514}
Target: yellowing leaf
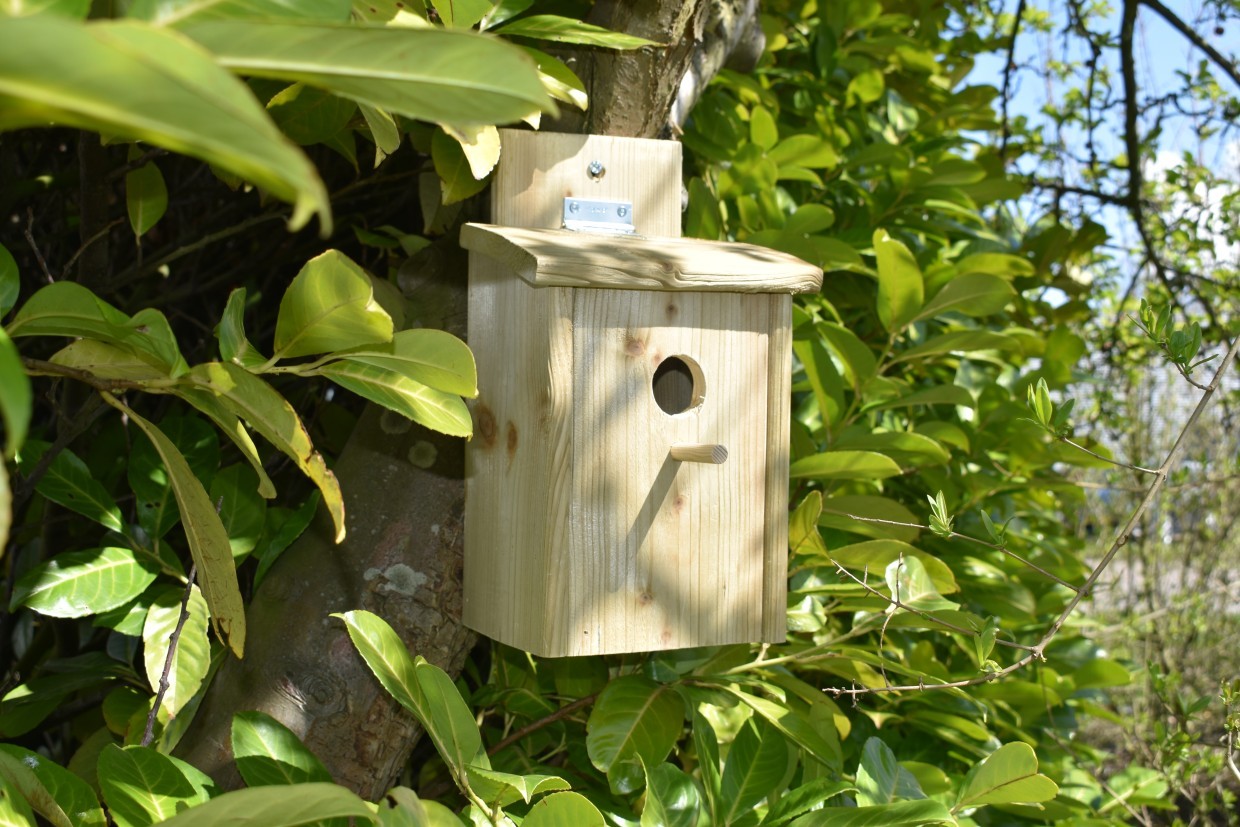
{"x":208,"y":541}
{"x":480,"y":145}
{"x":329,"y":306}
{"x":192,"y":657}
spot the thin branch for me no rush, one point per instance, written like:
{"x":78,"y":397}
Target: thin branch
{"x":39,"y":367}
{"x":1116,"y":463}
{"x":559,"y":714}
{"x":958,"y":535}
{"x":1008,"y":66}
{"x":900,"y":604}
{"x":1219,"y":59}
{"x":28,"y":231}
{"x":173,"y":640}
{"x":1121,"y":539}
{"x":101,"y":234}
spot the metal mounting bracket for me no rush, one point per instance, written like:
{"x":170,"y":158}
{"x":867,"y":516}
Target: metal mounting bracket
{"x":595,"y":216}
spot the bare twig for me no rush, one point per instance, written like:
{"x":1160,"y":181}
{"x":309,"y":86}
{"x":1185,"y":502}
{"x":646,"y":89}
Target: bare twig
{"x":173,"y":640}
{"x":1116,"y":463}
{"x":1219,"y":59}
{"x":559,"y":714}
{"x":28,"y":231}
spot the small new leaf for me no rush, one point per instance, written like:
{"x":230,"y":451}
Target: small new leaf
{"x":940,"y":520}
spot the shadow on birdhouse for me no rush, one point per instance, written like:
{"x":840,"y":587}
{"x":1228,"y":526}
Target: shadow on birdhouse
{"x":627,"y":485}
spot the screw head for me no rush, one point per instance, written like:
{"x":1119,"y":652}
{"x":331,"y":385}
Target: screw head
{"x":573,"y":206}
{"x":596,"y":170}
{"x":622,"y":211}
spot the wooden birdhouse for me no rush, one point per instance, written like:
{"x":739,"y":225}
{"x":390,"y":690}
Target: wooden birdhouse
{"x":627,"y":483}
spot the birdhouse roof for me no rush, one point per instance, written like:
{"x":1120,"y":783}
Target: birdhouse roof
{"x":567,"y":258}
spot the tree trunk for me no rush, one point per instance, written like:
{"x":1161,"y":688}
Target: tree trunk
{"x":404,"y":486}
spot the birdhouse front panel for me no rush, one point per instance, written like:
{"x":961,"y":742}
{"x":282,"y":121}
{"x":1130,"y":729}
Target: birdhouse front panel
{"x":664,"y":552}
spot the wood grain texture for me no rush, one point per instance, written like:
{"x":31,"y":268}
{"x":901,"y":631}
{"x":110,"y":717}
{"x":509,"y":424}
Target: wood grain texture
{"x":663,"y":554}
{"x":566,"y":258}
{"x":699,"y":452}
{"x":778,"y":435}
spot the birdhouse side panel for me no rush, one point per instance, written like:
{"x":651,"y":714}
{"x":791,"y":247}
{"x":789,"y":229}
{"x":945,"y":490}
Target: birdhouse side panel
{"x":518,"y":468}
{"x":778,"y":438}
{"x":665,"y":553}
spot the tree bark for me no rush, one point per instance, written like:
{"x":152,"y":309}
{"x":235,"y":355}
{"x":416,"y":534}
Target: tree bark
{"x":404,"y":492}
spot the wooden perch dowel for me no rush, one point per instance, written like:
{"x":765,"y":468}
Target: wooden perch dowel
{"x":712,"y":454}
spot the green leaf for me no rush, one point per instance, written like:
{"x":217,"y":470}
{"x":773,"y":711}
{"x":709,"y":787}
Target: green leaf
{"x":234,"y":346}
{"x":309,"y":115}
{"x":706,"y":744}
{"x":900,"y":285}
{"x":430,"y":74}
{"x":702,"y":219}
{"x":383,"y":129}
{"x":208,"y":541}
{"x":134,"y":82}
{"x":245,"y":395}
{"x":865,"y":87}
{"x":756,"y":765}
{"x":6,"y":506}
{"x":560,"y":81}
{"x":52,"y":791}
{"x":146,"y":197}
{"x":859,"y":362}
{"x":267,"y":752}
{"x":422,"y":688}
{"x":143,"y":787}
{"x":808,"y":151}
{"x":803,"y":535}
{"x":148,"y":476}
{"x":900,"y":814}
{"x":881,"y":779}
{"x":230,"y":425}
{"x":804,"y":798}
{"x":1101,"y":673}
{"x":845,"y":465}
{"x":14,"y":811}
{"x":960,"y":341}
{"x":564,"y":810}
{"x":68,"y":482}
{"x":192,"y":658}
{"x":1003,"y":265}
{"x":672,"y":798}
{"x":461,"y":14}
{"x":974,"y":294}
{"x":243,"y":512}
{"x":15,"y":396}
{"x":281,"y":527}
{"x":1008,"y":775}
{"x":452,"y":165}
{"x":432,"y":357}
{"x":873,"y":555}
{"x":69,"y":309}
{"x":911,"y":585}
{"x":836,"y":509}
{"x":937,"y":395}
{"x":10,"y":281}
{"x":329,"y":306}
{"x":107,"y":361}
{"x":820,"y":742}
{"x":171,"y":12}
{"x":906,"y":449}
{"x":567,"y":30}
{"x":633,"y":718}
{"x":499,"y":789}
{"x":444,"y":412}
{"x":64,"y":8}
{"x":283,"y":806}
{"x":81,"y":583}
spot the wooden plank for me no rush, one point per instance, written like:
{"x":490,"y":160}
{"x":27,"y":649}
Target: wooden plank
{"x":778,"y":437}
{"x":572,"y":259}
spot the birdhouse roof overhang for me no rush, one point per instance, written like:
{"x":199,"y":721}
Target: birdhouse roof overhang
{"x":567,"y":258}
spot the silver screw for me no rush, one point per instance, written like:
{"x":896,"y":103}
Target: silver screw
{"x":622,"y":211}
{"x":596,"y":170}
{"x":573,"y":206}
